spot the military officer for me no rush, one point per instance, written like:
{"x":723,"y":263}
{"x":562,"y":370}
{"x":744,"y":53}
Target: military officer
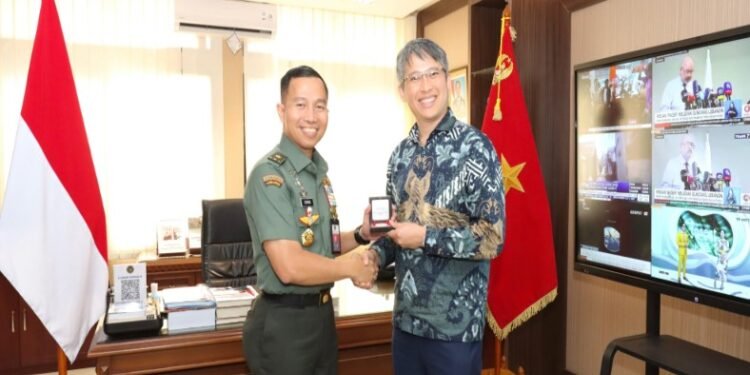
{"x":291,"y":211}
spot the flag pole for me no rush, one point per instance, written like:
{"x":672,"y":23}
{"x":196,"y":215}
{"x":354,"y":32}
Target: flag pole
{"x":62,"y":362}
{"x":498,"y":115}
{"x":498,"y":356}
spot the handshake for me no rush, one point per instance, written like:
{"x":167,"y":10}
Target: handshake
{"x":362,"y":266}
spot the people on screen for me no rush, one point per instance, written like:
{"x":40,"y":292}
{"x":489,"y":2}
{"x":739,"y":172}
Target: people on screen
{"x":676,"y":92}
{"x":683,"y":242}
{"x":682,"y":171}
{"x":722,"y":260}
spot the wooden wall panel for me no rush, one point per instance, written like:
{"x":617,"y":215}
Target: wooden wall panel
{"x":543,"y":54}
{"x":484,"y":25}
{"x":452,"y":33}
{"x":600,"y":310}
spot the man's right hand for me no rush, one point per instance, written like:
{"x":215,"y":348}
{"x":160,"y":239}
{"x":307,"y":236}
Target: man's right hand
{"x":362,"y":270}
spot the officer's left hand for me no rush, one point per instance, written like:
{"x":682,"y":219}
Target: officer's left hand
{"x":407,"y":235}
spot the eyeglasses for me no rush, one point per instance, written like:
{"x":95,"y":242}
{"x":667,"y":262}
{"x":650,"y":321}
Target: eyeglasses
{"x":415,"y":77}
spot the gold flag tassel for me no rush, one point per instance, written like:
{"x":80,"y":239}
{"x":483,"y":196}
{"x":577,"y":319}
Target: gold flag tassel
{"x":498,"y":112}
{"x":498,"y":115}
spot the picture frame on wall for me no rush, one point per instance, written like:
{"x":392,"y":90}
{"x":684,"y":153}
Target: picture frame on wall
{"x":458,"y":97}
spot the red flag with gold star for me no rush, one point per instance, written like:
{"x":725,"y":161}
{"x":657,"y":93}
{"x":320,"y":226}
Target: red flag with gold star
{"x":523,"y":278}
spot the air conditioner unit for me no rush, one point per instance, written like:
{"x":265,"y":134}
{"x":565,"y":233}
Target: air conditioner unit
{"x":225,"y":16}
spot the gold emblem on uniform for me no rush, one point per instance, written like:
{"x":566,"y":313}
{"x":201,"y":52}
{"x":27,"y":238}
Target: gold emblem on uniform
{"x":325,"y":298}
{"x":308,"y":237}
{"x":273,"y":179}
{"x":309,"y":220}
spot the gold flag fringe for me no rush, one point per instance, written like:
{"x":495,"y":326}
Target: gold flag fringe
{"x":502,"y":332}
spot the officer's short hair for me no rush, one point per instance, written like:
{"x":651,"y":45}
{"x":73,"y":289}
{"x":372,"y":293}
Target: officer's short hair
{"x":299,"y":72}
{"x":419,"y":47}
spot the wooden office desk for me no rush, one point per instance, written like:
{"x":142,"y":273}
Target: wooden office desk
{"x":363,"y":325}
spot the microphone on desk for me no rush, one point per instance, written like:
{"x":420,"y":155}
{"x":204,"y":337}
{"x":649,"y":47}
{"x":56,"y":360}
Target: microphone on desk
{"x":696,"y":95}
{"x":685,"y":178}
{"x":720,"y":95}
{"x":728,"y":90}
{"x":684,"y":96}
{"x":727,"y":176}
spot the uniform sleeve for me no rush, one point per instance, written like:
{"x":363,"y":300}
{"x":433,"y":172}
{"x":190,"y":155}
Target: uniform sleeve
{"x":269,"y":204}
{"x":482,"y":235}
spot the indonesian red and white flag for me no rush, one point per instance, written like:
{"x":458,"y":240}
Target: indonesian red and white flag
{"x":53,"y":238}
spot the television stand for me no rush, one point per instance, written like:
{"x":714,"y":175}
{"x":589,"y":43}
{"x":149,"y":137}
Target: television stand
{"x":669,"y":352}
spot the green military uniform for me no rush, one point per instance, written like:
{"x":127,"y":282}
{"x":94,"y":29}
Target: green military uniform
{"x":291,"y":328}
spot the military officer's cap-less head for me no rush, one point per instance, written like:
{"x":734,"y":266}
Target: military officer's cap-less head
{"x":303,"y":109}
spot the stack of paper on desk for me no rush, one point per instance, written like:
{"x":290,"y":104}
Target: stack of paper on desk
{"x":232,"y":304}
{"x":189,"y":308}
{"x":129,"y":312}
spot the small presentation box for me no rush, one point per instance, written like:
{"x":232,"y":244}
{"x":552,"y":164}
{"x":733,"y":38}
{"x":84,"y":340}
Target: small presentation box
{"x":380,"y":213}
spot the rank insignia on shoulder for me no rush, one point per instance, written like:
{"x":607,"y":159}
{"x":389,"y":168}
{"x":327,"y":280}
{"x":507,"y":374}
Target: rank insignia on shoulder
{"x":277,"y":158}
{"x":273,"y":179}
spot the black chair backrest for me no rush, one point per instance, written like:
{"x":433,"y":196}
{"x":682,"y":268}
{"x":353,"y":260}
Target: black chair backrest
{"x":227,"y":252}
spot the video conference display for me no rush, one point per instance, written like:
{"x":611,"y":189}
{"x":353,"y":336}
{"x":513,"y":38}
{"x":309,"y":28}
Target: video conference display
{"x":663,"y":167}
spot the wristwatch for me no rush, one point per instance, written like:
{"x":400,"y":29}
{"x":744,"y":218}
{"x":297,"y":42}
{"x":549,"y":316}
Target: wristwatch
{"x":358,"y":237}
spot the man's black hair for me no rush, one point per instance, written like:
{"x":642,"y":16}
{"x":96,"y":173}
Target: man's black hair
{"x":299,"y":72}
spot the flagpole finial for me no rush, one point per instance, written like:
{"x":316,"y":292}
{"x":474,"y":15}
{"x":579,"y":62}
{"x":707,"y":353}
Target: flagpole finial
{"x":497,"y":114}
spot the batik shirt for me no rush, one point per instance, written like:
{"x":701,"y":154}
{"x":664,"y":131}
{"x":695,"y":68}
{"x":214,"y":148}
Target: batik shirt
{"x":453,"y":186}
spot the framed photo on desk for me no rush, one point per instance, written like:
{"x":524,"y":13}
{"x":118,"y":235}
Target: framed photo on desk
{"x":171,"y":237}
{"x":458,"y":93}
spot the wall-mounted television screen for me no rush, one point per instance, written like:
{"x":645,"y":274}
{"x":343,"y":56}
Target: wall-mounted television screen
{"x":663,"y":169}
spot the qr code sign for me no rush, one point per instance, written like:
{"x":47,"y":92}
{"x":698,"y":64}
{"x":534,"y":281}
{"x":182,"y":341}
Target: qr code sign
{"x":130,"y":283}
{"x":131,"y":290}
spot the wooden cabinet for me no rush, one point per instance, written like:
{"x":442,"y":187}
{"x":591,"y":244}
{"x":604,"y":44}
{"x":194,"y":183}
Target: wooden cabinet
{"x":27,"y":346}
{"x":9,"y":327}
{"x":173,"y":272}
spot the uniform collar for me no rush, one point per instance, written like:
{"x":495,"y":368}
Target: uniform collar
{"x":445,"y":125}
{"x":299,"y":160}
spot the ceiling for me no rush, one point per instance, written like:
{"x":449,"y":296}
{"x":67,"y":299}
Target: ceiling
{"x":384,"y":8}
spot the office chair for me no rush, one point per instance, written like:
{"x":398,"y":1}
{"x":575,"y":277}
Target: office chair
{"x":227,"y":258}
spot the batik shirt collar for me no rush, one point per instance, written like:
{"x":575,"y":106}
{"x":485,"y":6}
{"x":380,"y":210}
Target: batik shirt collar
{"x":445,"y":125}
